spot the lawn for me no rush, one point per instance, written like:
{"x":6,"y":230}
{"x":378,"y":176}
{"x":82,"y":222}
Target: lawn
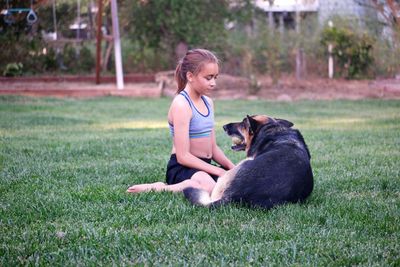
{"x":65,"y":165}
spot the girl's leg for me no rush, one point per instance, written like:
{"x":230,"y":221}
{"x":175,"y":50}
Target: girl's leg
{"x":205,"y":181}
{"x":158,"y":186}
{"x":200,"y":180}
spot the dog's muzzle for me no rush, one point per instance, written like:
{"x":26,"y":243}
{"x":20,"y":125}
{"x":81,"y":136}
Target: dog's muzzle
{"x":238,"y":142}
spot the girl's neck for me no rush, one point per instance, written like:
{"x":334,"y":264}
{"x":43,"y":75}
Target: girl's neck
{"x":192,"y":93}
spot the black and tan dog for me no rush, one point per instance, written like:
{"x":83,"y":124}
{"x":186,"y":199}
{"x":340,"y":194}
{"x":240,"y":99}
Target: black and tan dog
{"x":277,"y":169}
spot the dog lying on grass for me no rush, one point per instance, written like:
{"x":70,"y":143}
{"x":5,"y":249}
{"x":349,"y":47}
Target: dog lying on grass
{"x":277,"y":169}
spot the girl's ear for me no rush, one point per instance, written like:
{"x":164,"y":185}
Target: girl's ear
{"x":189,"y":76}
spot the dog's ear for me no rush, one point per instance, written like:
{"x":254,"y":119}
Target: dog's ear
{"x":284,"y":123}
{"x":252,"y":124}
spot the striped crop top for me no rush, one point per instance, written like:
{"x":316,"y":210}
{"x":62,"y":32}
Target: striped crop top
{"x":200,"y":125}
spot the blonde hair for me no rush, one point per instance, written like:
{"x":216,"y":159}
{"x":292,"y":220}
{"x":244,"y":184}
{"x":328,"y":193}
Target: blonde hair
{"x":192,"y":62}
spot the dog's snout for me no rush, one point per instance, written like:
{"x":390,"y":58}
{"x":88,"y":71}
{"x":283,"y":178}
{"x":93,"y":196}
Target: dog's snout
{"x":228,"y":128}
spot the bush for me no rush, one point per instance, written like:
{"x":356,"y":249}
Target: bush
{"x":353,"y":52}
{"x":86,"y":59}
{"x":77,"y":59}
{"x":13,"y":69}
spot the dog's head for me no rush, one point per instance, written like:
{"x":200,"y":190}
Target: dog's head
{"x":242,"y":133}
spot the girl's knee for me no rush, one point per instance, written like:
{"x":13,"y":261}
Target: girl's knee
{"x":191,"y":183}
{"x":204,"y":179}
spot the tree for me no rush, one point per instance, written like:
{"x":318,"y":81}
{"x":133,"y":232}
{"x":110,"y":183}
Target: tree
{"x":164,"y":24}
{"x":389,"y":15}
{"x":389,"y":11}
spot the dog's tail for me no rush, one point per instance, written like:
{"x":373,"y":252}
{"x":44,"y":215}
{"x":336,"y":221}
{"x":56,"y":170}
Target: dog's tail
{"x":197,"y":196}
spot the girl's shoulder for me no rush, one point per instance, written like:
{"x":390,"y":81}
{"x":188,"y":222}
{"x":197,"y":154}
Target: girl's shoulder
{"x":179,"y":100}
{"x":179,"y":104}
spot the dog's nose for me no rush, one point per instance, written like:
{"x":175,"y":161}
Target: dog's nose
{"x":225,"y":127}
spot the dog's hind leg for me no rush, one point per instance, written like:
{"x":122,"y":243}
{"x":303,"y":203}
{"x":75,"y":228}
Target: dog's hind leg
{"x":202,"y":198}
{"x":197,"y":196}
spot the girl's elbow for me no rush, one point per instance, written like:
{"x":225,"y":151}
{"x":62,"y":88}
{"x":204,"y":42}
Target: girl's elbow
{"x":181,"y":159}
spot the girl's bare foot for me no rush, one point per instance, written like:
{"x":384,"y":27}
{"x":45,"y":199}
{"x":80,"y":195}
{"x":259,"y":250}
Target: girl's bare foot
{"x":158,"y":186}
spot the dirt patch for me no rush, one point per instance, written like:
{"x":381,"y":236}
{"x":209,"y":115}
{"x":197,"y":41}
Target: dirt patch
{"x":229,"y":87}
{"x":291,"y":89}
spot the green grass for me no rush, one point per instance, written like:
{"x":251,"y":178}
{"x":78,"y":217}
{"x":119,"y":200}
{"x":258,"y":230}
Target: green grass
{"x":65,"y":165}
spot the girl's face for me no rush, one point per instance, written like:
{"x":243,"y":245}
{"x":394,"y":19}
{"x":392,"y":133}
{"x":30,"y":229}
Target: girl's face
{"x":205,"y":81}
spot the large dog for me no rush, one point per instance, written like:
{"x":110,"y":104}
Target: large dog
{"x":277,"y":169}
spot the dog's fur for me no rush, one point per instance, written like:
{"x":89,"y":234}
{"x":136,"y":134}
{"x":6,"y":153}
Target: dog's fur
{"x":277,"y":169}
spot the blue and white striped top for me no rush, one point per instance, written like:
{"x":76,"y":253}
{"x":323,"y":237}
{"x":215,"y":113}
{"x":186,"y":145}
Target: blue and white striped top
{"x":200,"y":125}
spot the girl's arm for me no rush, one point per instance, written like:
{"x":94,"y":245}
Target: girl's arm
{"x":219,"y":156}
{"x":181,"y":115}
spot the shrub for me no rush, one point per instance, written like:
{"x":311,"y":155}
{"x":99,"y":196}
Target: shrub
{"x":353,"y":52}
{"x":13,"y":69}
{"x":86,"y":59}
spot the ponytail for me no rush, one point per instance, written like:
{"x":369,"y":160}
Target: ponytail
{"x":180,"y":77}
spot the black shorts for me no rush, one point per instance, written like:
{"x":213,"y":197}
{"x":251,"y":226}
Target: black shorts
{"x":177,"y":173}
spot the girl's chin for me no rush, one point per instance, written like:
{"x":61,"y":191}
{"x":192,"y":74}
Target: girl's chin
{"x":208,"y":92}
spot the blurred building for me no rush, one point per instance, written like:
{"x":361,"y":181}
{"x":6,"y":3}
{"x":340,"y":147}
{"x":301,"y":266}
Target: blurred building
{"x":282,"y":13}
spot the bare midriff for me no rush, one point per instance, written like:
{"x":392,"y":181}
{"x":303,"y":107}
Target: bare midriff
{"x":199,"y":147}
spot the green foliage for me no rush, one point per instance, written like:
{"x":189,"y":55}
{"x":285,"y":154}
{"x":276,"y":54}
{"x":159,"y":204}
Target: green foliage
{"x":65,"y":15}
{"x":24,"y":43}
{"x":139,"y":58}
{"x":27,"y":51}
{"x":65,"y":166}
{"x":386,"y":58}
{"x":86,"y":59}
{"x":352,"y":51}
{"x":163,"y":24}
{"x":13,"y":69}
{"x":170,"y":22}
{"x":70,"y":56}
{"x":78,"y":61}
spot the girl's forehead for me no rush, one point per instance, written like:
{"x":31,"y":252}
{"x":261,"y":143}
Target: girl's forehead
{"x":209,"y":68}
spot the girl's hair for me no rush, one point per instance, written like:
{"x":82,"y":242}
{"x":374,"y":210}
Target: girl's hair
{"x":192,"y":62}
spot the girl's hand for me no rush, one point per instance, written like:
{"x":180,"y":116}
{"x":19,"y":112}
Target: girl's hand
{"x":221,"y":172}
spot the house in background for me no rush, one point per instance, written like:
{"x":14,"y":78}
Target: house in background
{"x":282,"y":13}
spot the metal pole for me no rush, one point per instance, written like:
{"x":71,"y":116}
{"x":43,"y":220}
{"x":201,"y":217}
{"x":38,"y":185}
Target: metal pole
{"x":117,"y":45}
{"x":78,"y":11}
{"x":330,"y":60}
{"x":54,"y":19}
{"x":98,"y":41}
{"x":298,"y":49}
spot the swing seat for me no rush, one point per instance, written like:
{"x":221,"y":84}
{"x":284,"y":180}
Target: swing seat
{"x":31,"y":18}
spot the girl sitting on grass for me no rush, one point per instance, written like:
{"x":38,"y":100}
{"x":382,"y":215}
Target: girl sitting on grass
{"x":191,"y":123}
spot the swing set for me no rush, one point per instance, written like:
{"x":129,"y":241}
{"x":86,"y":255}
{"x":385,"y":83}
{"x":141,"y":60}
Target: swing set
{"x":9,"y":14}
{"x":12,"y":13}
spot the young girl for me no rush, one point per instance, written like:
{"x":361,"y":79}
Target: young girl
{"x":191,"y":123}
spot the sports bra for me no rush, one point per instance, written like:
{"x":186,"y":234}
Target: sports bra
{"x":200,"y":125}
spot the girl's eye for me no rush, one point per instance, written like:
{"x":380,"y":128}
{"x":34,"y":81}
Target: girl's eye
{"x":211,"y":77}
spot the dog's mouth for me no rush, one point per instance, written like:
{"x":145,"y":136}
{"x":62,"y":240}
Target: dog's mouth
{"x":238,"y":143}
{"x":238,"y":140}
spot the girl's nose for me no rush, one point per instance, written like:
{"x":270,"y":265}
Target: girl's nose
{"x":213,"y":83}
